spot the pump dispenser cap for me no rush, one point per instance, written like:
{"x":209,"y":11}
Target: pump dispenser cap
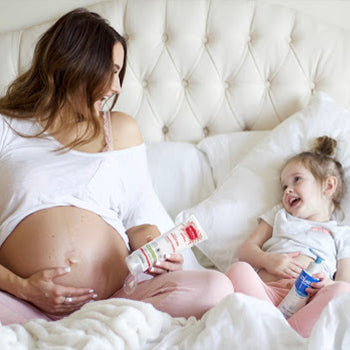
{"x":318,"y":259}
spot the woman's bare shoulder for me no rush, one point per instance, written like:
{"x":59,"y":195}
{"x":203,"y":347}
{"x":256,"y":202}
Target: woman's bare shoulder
{"x":126,"y":132}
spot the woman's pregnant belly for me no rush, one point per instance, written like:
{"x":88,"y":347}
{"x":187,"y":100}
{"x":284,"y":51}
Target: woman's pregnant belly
{"x":68,"y":236}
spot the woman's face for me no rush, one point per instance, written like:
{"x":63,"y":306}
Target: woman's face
{"x":115,"y":88}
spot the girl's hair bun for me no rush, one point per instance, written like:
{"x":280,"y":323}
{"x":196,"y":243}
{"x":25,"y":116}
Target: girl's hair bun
{"x":325,"y":145}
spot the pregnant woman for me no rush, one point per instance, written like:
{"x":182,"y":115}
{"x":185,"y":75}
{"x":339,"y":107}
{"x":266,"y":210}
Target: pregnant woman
{"x":76,"y":196}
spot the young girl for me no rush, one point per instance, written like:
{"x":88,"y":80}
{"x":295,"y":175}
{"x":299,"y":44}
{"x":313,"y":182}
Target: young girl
{"x":278,"y":249}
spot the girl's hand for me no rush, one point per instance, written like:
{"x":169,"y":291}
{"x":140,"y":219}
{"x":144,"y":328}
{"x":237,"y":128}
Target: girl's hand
{"x":171,"y":262}
{"x":283,"y":265}
{"x":41,"y":290}
{"x":316,"y":286}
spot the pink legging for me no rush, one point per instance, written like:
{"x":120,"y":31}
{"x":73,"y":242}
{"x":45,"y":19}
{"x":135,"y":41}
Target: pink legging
{"x":245,"y":280}
{"x":181,"y":294}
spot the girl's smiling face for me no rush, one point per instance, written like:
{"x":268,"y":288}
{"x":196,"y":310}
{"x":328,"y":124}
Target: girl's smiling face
{"x":303,"y":195}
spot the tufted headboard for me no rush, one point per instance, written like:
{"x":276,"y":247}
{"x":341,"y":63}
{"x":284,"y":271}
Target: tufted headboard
{"x":203,"y":67}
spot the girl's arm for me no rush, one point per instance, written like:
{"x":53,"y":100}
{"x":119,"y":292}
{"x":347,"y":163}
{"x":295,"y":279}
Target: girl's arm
{"x":251,"y":249}
{"x":343,"y":270}
{"x":342,"y":274}
{"x":282,"y":265}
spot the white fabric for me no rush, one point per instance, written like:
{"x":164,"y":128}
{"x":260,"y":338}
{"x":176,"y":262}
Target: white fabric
{"x":229,"y":214}
{"x":239,"y":321}
{"x":328,"y":240}
{"x":224,"y":151}
{"x":115,"y":185}
{"x":124,"y":324}
{"x":204,"y":67}
{"x":181,"y":175}
{"x":199,"y":68}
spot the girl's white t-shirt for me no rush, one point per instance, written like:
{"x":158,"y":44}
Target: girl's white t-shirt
{"x":328,"y":240}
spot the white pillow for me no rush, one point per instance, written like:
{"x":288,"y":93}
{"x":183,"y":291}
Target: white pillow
{"x":253,"y":187}
{"x":224,"y":151}
{"x":181,"y":175}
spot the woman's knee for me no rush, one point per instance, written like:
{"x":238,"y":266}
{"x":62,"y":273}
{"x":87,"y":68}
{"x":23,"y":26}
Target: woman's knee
{"x":218,"y":284}
{"x":191,"y":293}
{"x":215,"y":286}
{"x":209,"y":286}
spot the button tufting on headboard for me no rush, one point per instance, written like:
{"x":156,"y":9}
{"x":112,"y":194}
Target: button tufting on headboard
{"x":165,"y":129}
{"x":165,"y":37}
{"x":185,"y":83}
{"x":223,"y":63}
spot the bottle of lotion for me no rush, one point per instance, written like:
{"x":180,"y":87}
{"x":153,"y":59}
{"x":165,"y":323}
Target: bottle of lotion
{"x":297,"y":296}
{"x":181,"y":237}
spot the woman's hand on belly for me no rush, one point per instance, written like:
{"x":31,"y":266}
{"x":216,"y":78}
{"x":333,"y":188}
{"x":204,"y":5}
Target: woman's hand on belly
{"x":41,"y":290}
{"x":65,"y":236}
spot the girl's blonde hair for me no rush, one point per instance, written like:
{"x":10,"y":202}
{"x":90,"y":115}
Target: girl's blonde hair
{"x":321,"y":163}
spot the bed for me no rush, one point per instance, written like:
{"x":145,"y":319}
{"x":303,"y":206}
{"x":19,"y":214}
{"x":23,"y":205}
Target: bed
{"x":224,"y":91}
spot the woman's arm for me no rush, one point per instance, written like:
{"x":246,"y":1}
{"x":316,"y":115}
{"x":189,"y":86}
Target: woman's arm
{"x":10,"y":282}
{"x":126,"y":133}
{"x":141,"y":234}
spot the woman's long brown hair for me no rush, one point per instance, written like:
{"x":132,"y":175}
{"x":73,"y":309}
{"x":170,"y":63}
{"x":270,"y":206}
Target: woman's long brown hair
{"x":72,"y":68}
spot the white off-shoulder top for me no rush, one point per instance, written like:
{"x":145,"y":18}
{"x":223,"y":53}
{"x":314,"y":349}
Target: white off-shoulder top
{"x":115,"y":185}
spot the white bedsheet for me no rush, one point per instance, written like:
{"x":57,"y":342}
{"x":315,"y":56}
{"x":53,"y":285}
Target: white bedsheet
{"x":238,"y":321}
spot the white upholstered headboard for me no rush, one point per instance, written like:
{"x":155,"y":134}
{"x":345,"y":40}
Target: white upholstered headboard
{"x":203,"y":67}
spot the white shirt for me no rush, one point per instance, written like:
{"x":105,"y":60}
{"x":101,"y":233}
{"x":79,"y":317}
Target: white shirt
{"x":115,"y":185}
{"x":328,"y":240}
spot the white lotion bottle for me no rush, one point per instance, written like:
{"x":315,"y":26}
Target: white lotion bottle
{"x":178,"y":239}
{"x":297,"y":296}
